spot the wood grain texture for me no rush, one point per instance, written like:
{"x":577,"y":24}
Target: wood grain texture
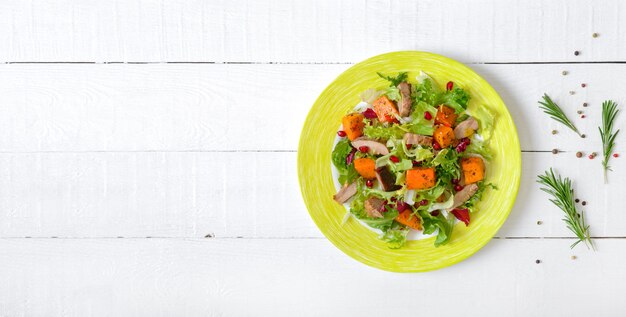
{"x":240,"y":194}
{"x":199,"y":107}
{"x":308,"y":31}
{"x":303,"y":277}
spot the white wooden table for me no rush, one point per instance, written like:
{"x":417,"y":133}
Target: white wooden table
{"x":148,"y":157}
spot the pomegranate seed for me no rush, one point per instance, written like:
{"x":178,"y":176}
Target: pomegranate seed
{"x":394,"y":199}
{"x":394,"y":159}
{"x":435,"y":213}
{"x":615,"y":155}
{"x":402,"y":206}
{"x":364,"y":149}
{"x":436,"y":146}
{"x":369,"y":113}
{"x":427,"y":115}
{"x":416,"y":163}
{"x":449,"y":85}
{"x":424,"y":202}
{"x":458,"y":188}
{"x":369,"y":183}
{"x":341,"y":134}
{"x":409,"y":146}
{"x":455,"y":181}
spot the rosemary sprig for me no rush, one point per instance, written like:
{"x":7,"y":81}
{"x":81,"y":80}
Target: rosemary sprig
{"x":561,"y":190}
{"x":554,"y":111}
{"x":609,"y":112}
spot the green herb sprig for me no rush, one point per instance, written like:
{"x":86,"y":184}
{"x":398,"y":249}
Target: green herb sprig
{"x":554,"y":111}
{"x":394,"y":81}
{"x":609,"y":112}
{"x":561,"y":190}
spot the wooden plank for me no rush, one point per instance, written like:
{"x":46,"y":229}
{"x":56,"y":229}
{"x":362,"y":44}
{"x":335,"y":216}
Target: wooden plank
{"x":247,"y":194}
{"x":308,"y":31}
{"x":241,"y":277}
{"x":191,"y":107}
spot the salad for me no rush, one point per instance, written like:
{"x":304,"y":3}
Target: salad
{"x":413,"y":156}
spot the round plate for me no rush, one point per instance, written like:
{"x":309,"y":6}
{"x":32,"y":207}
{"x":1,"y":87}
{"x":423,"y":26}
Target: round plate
{"x":361,"y":243}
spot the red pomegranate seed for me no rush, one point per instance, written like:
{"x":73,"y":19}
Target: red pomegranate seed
{"x":436,"y":146}
{"x":458,"y":188}
{"x":364,"y":149}
{"x":416,"y":163}
{"x":341,"y":134}
{"x":435,"y":213}
{"x":409,"y":146}
{"x":455,"y":181}
{"x":424,"y":202}
{"x":427,"y":115}
{"x":393,"y":199}
{"x":449,"y":85}
{"x":369,"y":183}
{"x":615,"y":155}
{"x":402,"y":206}
{"x":394,"y":159}
{"x":369,"y":113}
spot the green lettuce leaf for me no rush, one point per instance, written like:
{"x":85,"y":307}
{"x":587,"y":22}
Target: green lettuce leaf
{"x":456,"y":98}
{"x":347,"y":173}
{"x":486,"y":119}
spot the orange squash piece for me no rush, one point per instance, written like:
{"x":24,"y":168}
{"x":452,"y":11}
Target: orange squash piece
{"x":473,"y":169}
{"x":410,"y":220}
{"x":366,"y":167}
{"x":385,"y":109}
{"x":445,"y":116}
{"x":444,"y":136}
{"x":353,"y":125}
{"x":421,"y":178}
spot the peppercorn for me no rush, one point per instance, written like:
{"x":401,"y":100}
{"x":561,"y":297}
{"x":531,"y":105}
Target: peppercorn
{"x":583,"y":135}
{"x":579,"y":112}
{"x":573,"y":257}
{"x":539,"y":222}
{"x":594,"y":35}
{"x":584,"y":203}
{"x":554,"y":132}
{"x":583,"y":85}
{"x":571,"y":92}
{"x":583,"y":116}
{"x":579,"y":154}
{"x":576,"y":53}
{"x":537,"y":261}
{"x":615,"y":155}
{"x":555,"y":151}
{"x":584,"y":104}
{"x":576,"y":200}
{"x":564,"y":73}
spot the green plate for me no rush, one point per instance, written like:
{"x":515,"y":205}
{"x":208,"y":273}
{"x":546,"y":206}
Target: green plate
{"x":353,"y":238}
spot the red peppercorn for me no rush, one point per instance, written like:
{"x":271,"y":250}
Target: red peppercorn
{"x":583,"y":85}
{"x":436,"y":146}
{"x":427,"y":115}
{"x":364,"y":149}
{"x":394,"y":159}
{"x":583,"y":116}
{"x":449,"y":85}
{"x":369,"y":183}
{"x":590,"y":156}
{"x":341,"y":134}
{"x":424,"y":202}
{"x":458,"y":188}
{"x":615,"y":155}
